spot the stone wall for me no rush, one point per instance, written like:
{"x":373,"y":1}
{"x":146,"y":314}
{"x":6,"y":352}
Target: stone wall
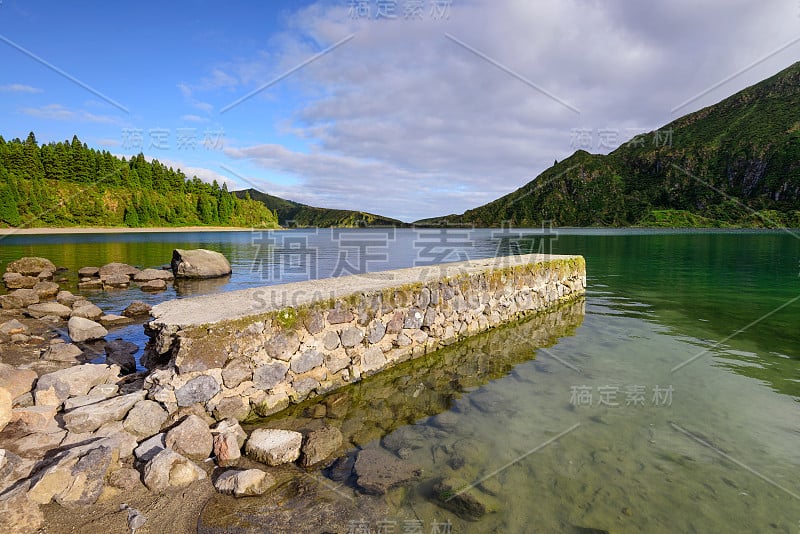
{"x":262,"y":349}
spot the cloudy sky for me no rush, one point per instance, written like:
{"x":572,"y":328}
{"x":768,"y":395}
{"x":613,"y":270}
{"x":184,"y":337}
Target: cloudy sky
{"x":406,"y":108}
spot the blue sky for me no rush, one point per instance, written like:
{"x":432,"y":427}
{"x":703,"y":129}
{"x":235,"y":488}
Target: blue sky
{"x":444,"y":106}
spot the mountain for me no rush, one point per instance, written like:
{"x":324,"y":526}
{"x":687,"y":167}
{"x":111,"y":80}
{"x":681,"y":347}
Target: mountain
{"x":294,"y":214}
{"x":735,"y":163}
{"x":70,"y":184}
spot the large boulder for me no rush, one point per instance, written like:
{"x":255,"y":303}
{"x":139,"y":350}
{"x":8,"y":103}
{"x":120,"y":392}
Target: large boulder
{"x":199,"y":263}
{"x":31,"y":266}
{"x":168,"y":469}
{"x":274,"y":447}
{"x":18,"y":281}
{"x":81,"y":329}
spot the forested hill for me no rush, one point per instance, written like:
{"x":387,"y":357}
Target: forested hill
{"x":736,"y":163}
{"x":70,"y":184}
{"x":294,"y":214}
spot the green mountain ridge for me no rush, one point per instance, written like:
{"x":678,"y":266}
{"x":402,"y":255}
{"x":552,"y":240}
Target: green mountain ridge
{"x":68,"y":184}
{"x":294,"y":214}
{"x":733,"y":164}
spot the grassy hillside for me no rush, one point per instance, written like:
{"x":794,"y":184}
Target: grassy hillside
{"x":736,"y":163}
{"x":295,"y":214}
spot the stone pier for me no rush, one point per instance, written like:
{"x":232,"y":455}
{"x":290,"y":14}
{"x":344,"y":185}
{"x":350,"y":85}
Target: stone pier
{"x":256,"y":351}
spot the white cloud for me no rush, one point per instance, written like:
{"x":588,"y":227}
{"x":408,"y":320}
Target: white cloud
{"x":61,"y":113}
{"x":406,"y":122}
{"x":188,"y":95}
{"x":19,"y":88}
{"x":193,"y":118}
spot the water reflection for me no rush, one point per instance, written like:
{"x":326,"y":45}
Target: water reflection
{"x":190,"y":287}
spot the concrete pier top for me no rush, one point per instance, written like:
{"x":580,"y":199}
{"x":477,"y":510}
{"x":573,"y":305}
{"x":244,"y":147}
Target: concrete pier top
{"x":233,"y":305}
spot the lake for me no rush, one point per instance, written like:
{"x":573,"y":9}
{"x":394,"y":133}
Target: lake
{"x":667,"y":401}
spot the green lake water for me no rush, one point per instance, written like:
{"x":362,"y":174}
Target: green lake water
{"x":666,"y":401}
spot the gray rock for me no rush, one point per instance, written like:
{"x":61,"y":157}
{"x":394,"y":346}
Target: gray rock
{"x":137,"y":308}
{"x":126,"y":479}
{"x":378,"y":471}
{"x":373,"y":359}
{"x":63,"y":352}
{"x":84,"y":400}
{"x":413,"y":319}
{"x":38,"y":311}
{"x":30,"y":266}
{"x":282,"y":345}
{"x":199,"y":389}
{"x":235,"y":372}
{"x":376,"y":331}
{"x":22,"y":338}
{"x":145,"y":419}
{"x":232,"y":408}
{"x":273,"y":446}
{"x":12,"y":327}
{"x":168,"y":469}
{"x":81,"y":329}
{"x":330,"y":340}
{"x":244,"y":483}
{"x":26,"y":297}
{"x":90,"y":312}
{"x":46,"y":290}
{"x":116,"y":269}
{"x":116,"y":281}
{"x":199,"y":263}
{"x":79,"y":379}
{"x":90,"y":284}
{"x":304,"y":386}
{"x":90,"y":418}
{"x":306,"y":361}
{"x":18,"y":513}
{"x":113,"y":320}
{"x":148,"y":275}
{"x":319,"y":445}
{"x":89,"y":272}
{"x":191,"y":438}
{"x":121,"y":353}
{"x":16,"y":381}
{"x":459,"y":497}
{"x":153,"y":286}
{"x":339,"y":316}
{"x":88,"y":478}
{"x":18,"y":281}
{"x":314,"y":322}
{"x":66,"y":298}
{"x":351,"y":337}
{"x":269,"y":375}
{"x":150,"y":447}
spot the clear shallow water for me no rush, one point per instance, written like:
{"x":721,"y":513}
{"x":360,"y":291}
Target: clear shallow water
{"x":722,"y":455}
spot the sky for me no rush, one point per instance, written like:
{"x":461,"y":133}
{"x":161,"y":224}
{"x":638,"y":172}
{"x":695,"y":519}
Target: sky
{"x":404,"y":108}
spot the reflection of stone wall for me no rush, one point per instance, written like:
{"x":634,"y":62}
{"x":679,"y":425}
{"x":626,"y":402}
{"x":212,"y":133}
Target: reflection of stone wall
{"x":427,"y":386}
{"x":265,"y":348}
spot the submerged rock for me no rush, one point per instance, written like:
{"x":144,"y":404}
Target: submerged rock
{"x":319,"y":445}
{"x":244,"y":483}
{"x":377,"y":471}
{"x":462,"y":499}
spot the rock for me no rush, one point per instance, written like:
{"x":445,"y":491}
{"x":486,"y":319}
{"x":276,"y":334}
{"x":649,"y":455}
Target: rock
{"x":16,"y":381}
{"x":148,"y":275}
{"x":81,"y":329}
{"x":18,"y":513}
{"x":91,"y":417}
{"x":113,"y":320}
{"x":462,"y":499}
{"x":89,"y":272}
{"x":51,"y":393}
{"x":168,"y":469}
{"x":27,"y":297}
{"x":137,"y":308}
{"x":145,"y":419}
{"x":20,"y":338}
{"x":150,"y":447}
{"x":84,"y":400}
{"x":30,"y":266}
{"x":314,"y":322}
{"x":119,"y":281}
{"x":282,"y":345}
{"x":244,"y":483}
{"x":319,"y":445}
{"x":153,"y":285}
{"x":232,"y":408}
{"x":126,"y":479}
{"x":378,"y":471}
{"x":274,"y":447}
{"x":117,"y":269}
{"x":125,"y":360}
{"x":37,"y":311}
{"x":227,"y":449}
{"x":339,"y":316}
{"x":10,"y":302}
{"x":88,"y":478}
{"x":12,"y":327}
{"x":235,"y":372}
{"x":66,"y":298}
{"x":199,"y":389}
{"x":46,"y":276}
{"x":330,"y":340}
{"x":18,"y":281}
{"x":372,"y":359}
{"x":351,"y":337}
{"x":79,"y":379}
{"x":191,"y":438}
{"x":46,"y":290}
{"x":376,"y":331}
{"x":199,"y":263}
{"x":90,"y":312}
{"x":306,"y":361}
{"x":90,"y":284}
{"x":269,"y":375}
{"x":62,"y":352}
{"x":6,"y":404}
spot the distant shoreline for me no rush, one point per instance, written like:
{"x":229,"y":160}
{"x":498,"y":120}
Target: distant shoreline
{"x":120,"y":230}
